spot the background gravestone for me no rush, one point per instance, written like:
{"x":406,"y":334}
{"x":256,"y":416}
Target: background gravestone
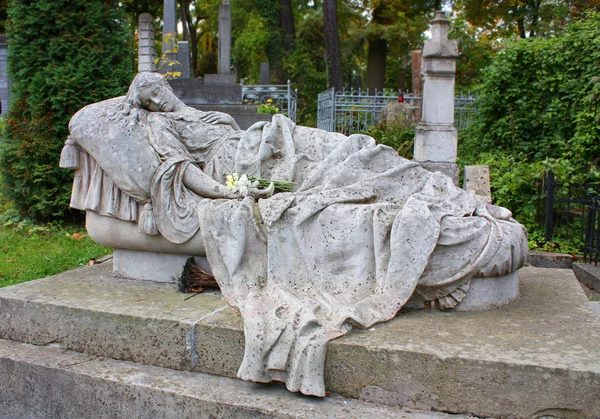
{"x":4,"y":82}
{"x":436,"y":136}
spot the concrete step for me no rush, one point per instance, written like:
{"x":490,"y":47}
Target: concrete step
{"x":540,"y":354}
{"x":48,"y":382}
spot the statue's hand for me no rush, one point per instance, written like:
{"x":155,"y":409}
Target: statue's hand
{"x":215,"y":118}
{"x":257,"y":193}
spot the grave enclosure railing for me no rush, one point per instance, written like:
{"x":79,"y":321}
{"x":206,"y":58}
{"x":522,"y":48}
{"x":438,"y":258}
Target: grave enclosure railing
{"x":281,"y":96}
{"x":591,"y":246}
{"x":354,"y":111}
{"x":572,"y":210}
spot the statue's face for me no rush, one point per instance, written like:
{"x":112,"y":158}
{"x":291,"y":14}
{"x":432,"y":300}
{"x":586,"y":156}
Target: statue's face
{"x":158,"y":98}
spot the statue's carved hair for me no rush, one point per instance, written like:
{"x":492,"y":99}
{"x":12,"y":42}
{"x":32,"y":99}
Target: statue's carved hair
{"x":131,"y":107}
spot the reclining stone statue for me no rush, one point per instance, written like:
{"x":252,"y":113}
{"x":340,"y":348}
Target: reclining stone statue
{"x":364,"y":233}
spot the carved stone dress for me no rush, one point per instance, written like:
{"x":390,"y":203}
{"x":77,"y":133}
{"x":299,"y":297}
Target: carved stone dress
{"x":365,"y":231}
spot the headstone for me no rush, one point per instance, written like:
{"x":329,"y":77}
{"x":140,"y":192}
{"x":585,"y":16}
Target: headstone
{"x":225,"y":38}
{"x":146,"y":53}
{"x":4,"y":81}
{"x":265,"y":74}
{"x":399,"y":114}
{"x":477,"y":181}
{"x":169,"y":19}
{"x":169,"y":39}
{"x":436,"y":136}
{"x":183,"y":56}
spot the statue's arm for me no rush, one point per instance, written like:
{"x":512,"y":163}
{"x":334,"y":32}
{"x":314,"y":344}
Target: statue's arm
{"x":220,"y":118}
{"x":202,"y":184}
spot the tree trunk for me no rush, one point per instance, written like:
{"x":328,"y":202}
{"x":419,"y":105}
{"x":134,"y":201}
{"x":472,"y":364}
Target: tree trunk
{"x":184,"y":13}
{"x":376,"y":62}
{"x":332,"y":44}
{"x":377,"y":55}
{"x":287,"y":24}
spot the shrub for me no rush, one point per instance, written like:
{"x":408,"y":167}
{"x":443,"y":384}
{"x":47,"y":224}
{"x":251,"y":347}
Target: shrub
{"x":63,"y":55}
{"x":400,"y":137}
{"x":538,"y":109}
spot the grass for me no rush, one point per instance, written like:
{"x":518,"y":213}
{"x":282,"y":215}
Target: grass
{"x":30,"y":251}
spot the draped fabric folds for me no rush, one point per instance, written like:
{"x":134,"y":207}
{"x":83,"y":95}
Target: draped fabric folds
{"x":365,"y":231}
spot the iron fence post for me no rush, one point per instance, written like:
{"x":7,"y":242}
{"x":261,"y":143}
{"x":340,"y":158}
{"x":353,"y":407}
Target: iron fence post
{"x":549,"y":205}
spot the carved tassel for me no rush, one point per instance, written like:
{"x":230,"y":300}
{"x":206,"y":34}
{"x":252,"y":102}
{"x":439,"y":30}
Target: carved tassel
{"x":69,"y":157}
{"x":147,"y":223}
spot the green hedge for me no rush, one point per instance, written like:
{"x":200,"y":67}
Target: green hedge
{"x":63,"y":55}
{"x":538,"y":109}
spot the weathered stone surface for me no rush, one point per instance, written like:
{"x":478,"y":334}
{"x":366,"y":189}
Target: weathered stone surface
{"x":146,"y":52}
{"x":244,"y":115}
{"x":196,"y":92}
{"x":541,"y":352}
{"x":435,"y":143}
{"x":183,"y":56}
{"x":219,"y":79}
{"x":52,"y":383}
{"x":449,"y":169}
{"x":224,"y":38}
{"x":477,"y":181}
{"x":588,"y":274}
{"x":549,"y":260}
{"x":89,"y":310}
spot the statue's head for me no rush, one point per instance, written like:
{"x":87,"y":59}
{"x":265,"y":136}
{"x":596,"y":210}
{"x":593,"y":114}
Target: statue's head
{"x":152,"y":92}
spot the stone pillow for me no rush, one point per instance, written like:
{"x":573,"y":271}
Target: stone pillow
{"x":127,"y":159}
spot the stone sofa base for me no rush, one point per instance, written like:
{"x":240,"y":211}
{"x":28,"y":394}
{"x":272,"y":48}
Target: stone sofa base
{"x":140,"y":256}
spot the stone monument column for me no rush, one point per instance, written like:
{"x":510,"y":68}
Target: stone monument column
{"x":436,"y":136}
{"x":146,"y":53}
{"x":169,"y":39}
{"x":224,"y":37}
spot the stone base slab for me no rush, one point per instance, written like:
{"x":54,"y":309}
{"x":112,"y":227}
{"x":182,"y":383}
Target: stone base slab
{"x":588,"y":274}
{"x":550,"y":260}
{"x":48,"y":382}
{"x":537,"y":356}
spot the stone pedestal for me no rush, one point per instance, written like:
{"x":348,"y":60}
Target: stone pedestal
{"x":435,"y":136}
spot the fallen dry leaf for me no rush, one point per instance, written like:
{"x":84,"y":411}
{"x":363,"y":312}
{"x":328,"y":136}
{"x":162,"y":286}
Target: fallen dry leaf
{"x":10,"y":260}
{"x":77,"y":236}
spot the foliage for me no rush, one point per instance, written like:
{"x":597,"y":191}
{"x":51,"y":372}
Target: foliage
{"x":29,"y":250}
{"x":539,"y":109}
{"x":516,"y":18}
{"x":267,"y":108}
{"x":64,"y":55}
{"x":167,"y":58}
{"x":476,"y":52}
{"x":397,"y":136}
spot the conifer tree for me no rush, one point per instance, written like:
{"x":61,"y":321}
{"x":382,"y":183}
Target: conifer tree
{"x":63,"y":55}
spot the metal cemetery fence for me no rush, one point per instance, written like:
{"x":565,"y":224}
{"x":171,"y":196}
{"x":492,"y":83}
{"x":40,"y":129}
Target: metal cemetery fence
{"x":283,"y":97}
{"x":353,"y":111}
{"x":571,"y":217}
{"x":591,"y":247}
